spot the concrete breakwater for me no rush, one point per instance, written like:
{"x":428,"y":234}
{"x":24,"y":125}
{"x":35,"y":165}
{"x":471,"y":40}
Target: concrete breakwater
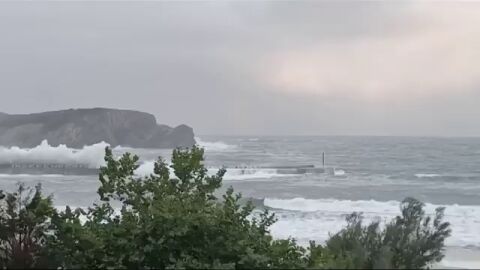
{"x":283,"y":169}
{"x":47,"y":168}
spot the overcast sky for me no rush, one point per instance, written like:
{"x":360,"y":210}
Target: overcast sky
{"x":251,"y":68}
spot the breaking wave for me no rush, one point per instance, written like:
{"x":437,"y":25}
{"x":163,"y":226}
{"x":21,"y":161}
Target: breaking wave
{"x":91,"y":155}
{"x":315,"y":219}
{"x":146,"y":168}
{"x":250,"y":174}
{"x":427,"y":175}
{"x":338,"y":172}
{"x":215,"y":146}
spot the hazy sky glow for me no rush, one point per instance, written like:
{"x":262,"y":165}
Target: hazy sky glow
{"x":247,"y":68}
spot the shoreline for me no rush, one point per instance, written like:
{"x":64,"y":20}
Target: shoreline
{"x":460,"y":258}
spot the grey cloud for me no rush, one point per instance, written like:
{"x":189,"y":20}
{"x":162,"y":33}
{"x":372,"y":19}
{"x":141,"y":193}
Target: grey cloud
{"x":208,"y":64}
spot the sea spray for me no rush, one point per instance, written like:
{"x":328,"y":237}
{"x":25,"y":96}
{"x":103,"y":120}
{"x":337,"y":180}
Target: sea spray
{"x":316,"y":219}
{"x":91,"y":155}
{"x":243,"y":174}
{"x":215,"y":146}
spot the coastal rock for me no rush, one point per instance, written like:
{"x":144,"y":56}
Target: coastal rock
{"x":78,"y":127}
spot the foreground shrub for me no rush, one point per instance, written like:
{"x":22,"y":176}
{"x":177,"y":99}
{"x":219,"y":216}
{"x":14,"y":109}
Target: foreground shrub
{"x":166,"y":222}
{"x":410,"y":241}
{"x":24,"y":222}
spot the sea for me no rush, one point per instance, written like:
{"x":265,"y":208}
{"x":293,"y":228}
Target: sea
{"x":370,"y":175}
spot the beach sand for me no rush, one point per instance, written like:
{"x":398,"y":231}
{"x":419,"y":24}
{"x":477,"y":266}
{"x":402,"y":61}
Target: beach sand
{"x":460,"y":258}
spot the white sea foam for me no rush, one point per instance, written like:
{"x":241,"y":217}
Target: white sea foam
{"x":91,"y":155}
{"x":460,"y":258}
{"x":146,"y":169}
{"x":307,"y":219}
{"x":427,"y":175}
{"x":338,"y":172}
{"x":36,"y":176}
{"x":459,"y":263}
{"x":125,"y":148}
{"x":215,"y":146}
{"x":250,"y":174}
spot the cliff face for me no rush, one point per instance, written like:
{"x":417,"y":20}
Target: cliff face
{"x":80,"y":127}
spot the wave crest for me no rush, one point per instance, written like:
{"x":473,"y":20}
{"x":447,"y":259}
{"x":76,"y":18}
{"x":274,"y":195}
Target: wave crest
{"x":215,"y":146}
{"x":427,"y":175}
{"x":91,"y":155}
{"x":146,"y":168}
{"x":250,"y":174}
{"x":315,"y":219}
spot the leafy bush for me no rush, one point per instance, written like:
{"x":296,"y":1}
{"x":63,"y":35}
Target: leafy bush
{"x":24,"y":223}
{"x":410,"y":241}
{"x":164,"y":222}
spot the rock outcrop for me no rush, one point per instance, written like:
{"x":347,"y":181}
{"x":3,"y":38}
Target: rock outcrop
{"x":78,"y":127}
